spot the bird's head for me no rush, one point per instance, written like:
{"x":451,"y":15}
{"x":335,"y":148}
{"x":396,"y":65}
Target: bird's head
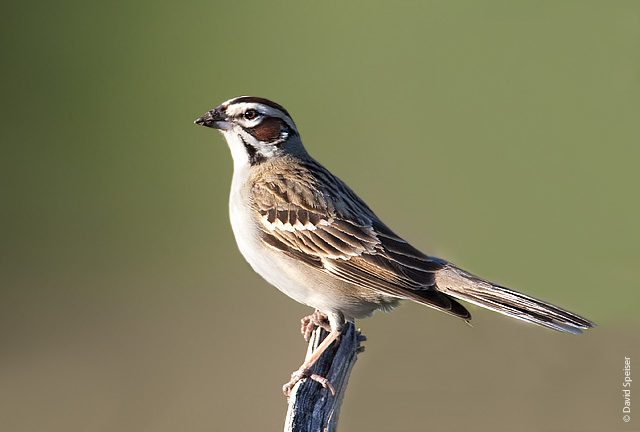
{"x":256,"y":129}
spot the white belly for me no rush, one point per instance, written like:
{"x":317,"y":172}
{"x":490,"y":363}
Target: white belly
{"x":286,"y":274}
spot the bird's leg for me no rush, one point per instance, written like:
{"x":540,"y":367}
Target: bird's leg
{"x":311,"y":322}
{"x":304,"y":371}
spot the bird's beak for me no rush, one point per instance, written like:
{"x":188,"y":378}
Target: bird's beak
{"x":216,"y":118}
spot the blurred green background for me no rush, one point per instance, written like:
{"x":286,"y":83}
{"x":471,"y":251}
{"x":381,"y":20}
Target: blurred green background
{"x":500,"y":135}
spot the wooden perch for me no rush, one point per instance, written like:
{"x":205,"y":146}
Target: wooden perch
{"x":312,"y":408}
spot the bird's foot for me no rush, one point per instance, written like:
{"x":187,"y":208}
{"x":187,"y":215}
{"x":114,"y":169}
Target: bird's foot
{"x":311,"y":322}
{"x":303,"y":373}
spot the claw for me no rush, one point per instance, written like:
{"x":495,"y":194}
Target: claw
{"x":324,"y":383}
{"x":311,"y":322}
{"x":303,"y":373}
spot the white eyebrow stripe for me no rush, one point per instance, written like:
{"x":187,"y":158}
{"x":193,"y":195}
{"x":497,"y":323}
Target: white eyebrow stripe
{"x":234,"y":110}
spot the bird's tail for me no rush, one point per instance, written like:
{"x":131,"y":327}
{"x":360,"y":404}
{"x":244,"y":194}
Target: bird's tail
{"x":465,"y":286}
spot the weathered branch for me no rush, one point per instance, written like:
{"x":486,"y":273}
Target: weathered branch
{"x":312,"y":408}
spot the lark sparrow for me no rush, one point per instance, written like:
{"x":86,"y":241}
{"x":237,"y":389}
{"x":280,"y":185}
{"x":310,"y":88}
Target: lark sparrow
{"x":311,"y":236}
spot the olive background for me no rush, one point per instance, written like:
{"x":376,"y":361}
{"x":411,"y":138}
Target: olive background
{"x":502,"y":136}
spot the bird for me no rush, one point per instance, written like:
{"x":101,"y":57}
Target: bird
{"x":307,"y":233}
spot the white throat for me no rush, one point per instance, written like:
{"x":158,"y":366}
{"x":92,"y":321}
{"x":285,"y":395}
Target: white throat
{"x":241,"y":165}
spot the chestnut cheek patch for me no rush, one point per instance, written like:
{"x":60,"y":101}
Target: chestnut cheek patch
{"x":268,"y":130}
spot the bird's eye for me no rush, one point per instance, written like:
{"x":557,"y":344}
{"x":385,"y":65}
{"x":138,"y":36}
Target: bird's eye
{"x":251,"y":114}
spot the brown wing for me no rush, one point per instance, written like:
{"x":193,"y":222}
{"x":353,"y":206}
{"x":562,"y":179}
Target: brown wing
{"x":329,"y":228}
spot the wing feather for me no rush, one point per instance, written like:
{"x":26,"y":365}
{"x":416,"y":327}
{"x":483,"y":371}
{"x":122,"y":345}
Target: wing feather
{"x":329,"y":228}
